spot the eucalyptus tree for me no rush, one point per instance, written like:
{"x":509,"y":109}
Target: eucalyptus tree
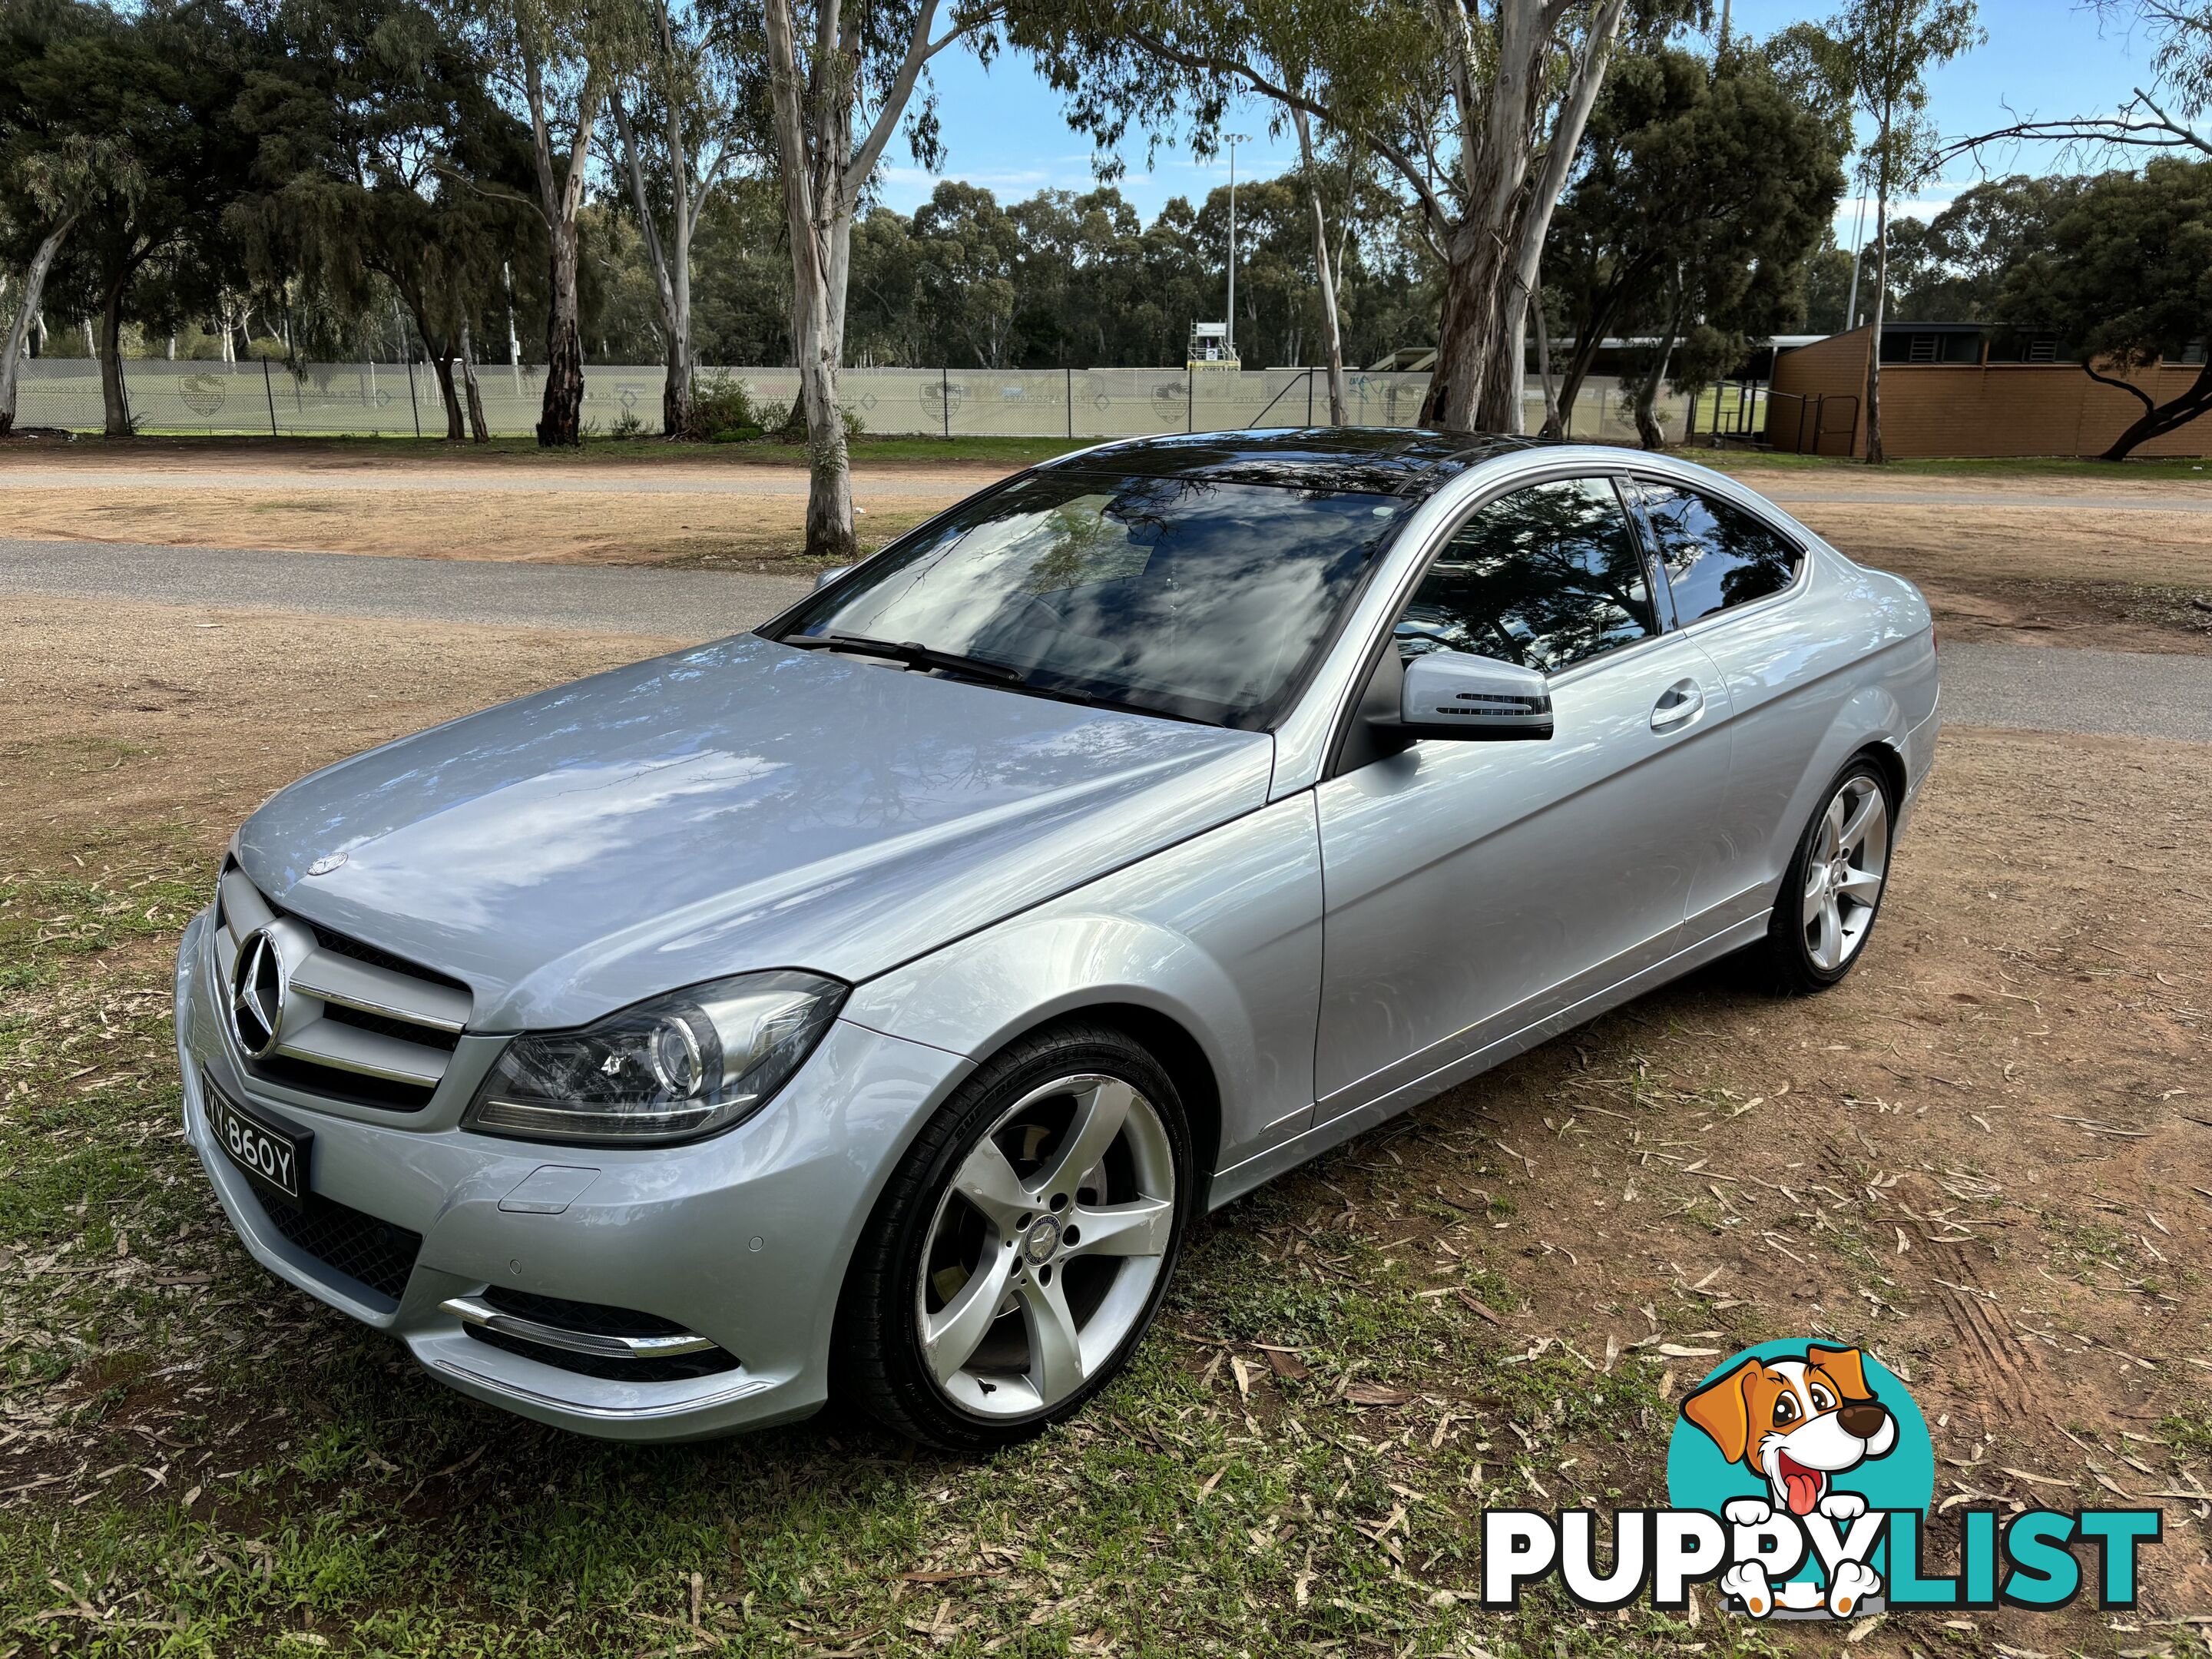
{"x":699,"y":116}
{"x":1478,"y":109}
{"x":555,"y":62}
{"x":53,"y":171}
{"x":842,"y":79}
{"x":2123,"y":277}
{"x":1706,"y":187}
{"x":156,"y":157}
{"x":384,"y":169}
{"x":1884,"y":49}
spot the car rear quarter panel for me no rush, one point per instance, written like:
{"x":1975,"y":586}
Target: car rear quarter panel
{"x":1847,"y":662}
{"x":1220,"y":934}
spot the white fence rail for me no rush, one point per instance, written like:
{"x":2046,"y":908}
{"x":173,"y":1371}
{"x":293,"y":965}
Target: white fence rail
{"x":392,"y":399}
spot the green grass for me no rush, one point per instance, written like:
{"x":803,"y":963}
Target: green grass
{"x":205,"y":1462}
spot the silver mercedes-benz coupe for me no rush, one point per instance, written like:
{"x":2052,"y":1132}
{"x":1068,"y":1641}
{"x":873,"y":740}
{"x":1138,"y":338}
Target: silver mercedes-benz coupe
{"x":871,"y":1002}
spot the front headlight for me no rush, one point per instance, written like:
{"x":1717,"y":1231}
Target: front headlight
{"x":686,"y":1064}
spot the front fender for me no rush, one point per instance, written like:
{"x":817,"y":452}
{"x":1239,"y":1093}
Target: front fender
{"x":1220,"y":934}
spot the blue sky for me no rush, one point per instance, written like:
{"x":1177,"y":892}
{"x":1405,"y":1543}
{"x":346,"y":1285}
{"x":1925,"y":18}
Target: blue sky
{"x":1003,"y":127}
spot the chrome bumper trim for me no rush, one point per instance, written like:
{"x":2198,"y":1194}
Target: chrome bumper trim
{"x":470,"y":1311}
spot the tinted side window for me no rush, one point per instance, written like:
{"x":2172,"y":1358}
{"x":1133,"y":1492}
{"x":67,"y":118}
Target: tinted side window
{"x":1545,"y":577}
{"x":1716,"y":555}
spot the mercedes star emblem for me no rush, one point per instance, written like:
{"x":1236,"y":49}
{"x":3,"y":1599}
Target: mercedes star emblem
{"x":256,"y":994}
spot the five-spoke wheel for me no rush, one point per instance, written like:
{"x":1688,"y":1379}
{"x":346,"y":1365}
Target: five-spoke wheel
{"x":1044,"y":1250}
{"x":1027,"y":1243}
{"x":1843,"y":876}
{"x":1832,"y":892}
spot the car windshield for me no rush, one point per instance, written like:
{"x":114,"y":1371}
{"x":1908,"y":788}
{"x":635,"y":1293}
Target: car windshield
{"x":1201,"y":600}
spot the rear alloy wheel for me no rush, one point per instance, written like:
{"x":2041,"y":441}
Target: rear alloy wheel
{"x":1009,"y":1277}
{"x":1832,"y":892}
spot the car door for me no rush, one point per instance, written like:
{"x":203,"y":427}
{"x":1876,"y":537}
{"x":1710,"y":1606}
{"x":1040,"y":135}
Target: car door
{"x":1473,"y":888}
{"x":1737,"y":586}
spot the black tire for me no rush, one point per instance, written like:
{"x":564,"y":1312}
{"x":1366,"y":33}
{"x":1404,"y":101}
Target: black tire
{"x":878,"y":1362}
{"x":1786,"y":963}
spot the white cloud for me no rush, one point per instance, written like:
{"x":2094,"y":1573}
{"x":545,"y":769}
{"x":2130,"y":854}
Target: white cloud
{"x":907,"y":187}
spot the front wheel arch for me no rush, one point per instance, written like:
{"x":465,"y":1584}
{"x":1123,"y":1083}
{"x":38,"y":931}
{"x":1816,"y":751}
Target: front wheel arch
{"x":874,"y":1363}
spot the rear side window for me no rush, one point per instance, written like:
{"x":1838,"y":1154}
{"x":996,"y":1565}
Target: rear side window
{"x":1546,"y":577}
{"x":1716,"y":555}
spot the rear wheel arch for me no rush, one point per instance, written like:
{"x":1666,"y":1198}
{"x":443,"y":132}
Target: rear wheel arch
{"x":1886,"y":753}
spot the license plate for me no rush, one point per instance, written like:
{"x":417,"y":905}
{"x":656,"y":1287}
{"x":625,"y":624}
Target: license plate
{"x":273,"y":1155}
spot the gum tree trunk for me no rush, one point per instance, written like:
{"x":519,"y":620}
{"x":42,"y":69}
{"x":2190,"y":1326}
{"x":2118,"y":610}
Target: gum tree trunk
{"x":824,"y":173}
{"x":810,"y":176}
{"x":1469,"y":333}
{"x":1331,"y":335}
{"x":441,"y":361}
{"x":116,"y":405}
{"x":11,"y":355}
{"x":671,"y":262}
{"x":1874,"y":452}
{"x":479,"y":429}
{"x":560,"y":420}
{"x":560,"y":416}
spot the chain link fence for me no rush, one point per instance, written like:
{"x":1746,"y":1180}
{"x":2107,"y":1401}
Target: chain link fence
{"x":402,"y":400}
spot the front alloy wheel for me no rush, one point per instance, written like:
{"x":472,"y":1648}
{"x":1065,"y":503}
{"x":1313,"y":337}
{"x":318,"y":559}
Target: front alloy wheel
{"x":1019,"y":1254}
{"x":1045,"y":1248}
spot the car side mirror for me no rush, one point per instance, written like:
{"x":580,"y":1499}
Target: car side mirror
{"x":1456,"y":694}
{"x":823,"y":578}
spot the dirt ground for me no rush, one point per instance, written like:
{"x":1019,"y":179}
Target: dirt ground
{"x":2138,"y":580}
{"x":1984,"y":1157}
{"x":748,"y":531}
{"x":2114,"y":581}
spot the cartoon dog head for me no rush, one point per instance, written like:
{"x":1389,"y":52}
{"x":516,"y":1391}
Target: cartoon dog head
{"x":1796,"y":1422}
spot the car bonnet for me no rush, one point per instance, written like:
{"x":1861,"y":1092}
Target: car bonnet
{"x":742,"y":805}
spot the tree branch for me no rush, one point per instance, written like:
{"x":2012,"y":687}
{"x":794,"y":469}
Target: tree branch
{"x":2158,"y":131}
{"x":893,"y":109}
{"x":2129,"y":386}
{"x":1431,"y":204}
{"x":490,"y":192}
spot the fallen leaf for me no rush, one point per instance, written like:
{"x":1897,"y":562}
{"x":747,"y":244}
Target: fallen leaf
{"x":1376,"y":1394}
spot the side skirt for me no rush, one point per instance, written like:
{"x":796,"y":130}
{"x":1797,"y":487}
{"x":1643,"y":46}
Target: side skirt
{"x":1234,"y":1183}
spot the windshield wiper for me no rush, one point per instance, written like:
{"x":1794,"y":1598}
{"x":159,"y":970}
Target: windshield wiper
{"x":910,"y":652}
{"x":917,"y":655}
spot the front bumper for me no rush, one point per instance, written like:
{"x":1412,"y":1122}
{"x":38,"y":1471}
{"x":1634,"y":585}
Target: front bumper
{"x":743,"y":1238}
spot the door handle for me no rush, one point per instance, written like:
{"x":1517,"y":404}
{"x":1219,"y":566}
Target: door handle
{"x":1678,"y":705}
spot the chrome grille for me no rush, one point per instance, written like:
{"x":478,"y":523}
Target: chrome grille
{"x":355,"y":1022}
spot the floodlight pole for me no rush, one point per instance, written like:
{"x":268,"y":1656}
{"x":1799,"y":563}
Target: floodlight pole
{"x":1230,"y":344}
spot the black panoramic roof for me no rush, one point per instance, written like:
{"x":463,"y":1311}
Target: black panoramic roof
{"x":1379,"y":460}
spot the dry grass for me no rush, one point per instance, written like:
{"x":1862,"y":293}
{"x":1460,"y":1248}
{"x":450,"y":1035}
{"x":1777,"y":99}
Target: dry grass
{"x":1983,"y":1156}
